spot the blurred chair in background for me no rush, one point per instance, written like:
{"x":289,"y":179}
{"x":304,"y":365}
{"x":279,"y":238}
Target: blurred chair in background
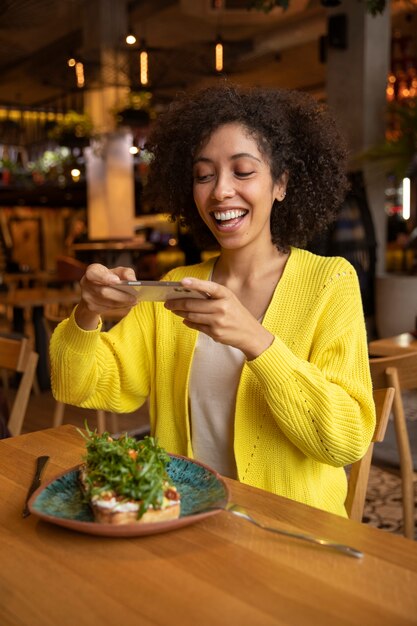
{"x":359,"y":471}
{"x":17,"y":356}
{"x":69,"y":270}
{"x":399,"y":372}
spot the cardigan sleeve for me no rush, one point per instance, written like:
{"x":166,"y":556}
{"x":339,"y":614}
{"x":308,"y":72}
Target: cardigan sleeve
{"x":109,"y":370}
{"x":324,"y":404}
{"x":112,"y":370}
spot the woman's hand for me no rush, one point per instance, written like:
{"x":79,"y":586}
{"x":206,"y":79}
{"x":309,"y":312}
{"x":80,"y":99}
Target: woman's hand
{"x":221,"y":316}
{"x":98,"y":296}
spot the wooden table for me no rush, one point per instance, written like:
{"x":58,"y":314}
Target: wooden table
{"x":26,"y":301}
{"x":388,"y":346}
{"x":113,"y":253}
{"x":13,"y":280}
{"x":114,"y":246}
{"x":221,"y":570}
{"x":38,"y":296}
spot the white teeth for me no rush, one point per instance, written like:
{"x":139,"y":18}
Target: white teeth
{"x":228,"y":215}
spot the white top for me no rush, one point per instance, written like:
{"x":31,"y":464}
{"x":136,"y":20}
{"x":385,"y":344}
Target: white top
{"x":214,"y":378}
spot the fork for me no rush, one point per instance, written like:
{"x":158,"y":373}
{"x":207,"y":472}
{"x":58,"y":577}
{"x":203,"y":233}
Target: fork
{"x":239,"y":511}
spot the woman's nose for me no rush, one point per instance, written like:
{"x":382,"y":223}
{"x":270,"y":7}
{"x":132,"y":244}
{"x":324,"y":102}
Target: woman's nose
{"x":223,"y":188}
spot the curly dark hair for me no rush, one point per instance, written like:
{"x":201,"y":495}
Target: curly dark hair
{"x":294,"y":133}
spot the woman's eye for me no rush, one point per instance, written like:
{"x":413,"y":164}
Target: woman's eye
{"x":243,"y":174}
{"x":202,"y":178}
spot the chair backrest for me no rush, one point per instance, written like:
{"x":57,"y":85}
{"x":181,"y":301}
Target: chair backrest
{"x":400,"y":371}
{"x":16,"y":355}
{"x":69,"y":269}
{"x":54,"y":313}
{"x":359,"y":471}
{"x":405,"y":365}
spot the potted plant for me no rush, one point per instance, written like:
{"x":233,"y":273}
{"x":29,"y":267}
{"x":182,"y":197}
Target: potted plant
{"x":51,"y":166}
{"x":398,"y":152}
{"x":137,"y":110}
{"x":74,"y":130}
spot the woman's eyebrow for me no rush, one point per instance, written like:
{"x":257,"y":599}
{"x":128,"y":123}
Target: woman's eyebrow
{"x":203,"y":159}
{"x":245,"y":154}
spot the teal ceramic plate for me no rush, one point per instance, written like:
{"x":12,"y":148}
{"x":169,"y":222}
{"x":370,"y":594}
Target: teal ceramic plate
{"x":60,"y":501}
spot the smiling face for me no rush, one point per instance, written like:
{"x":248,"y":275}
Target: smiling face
{"x":233,"y":187}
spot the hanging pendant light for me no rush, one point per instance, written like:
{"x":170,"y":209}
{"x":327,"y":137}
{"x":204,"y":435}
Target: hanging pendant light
{"x":219,"y":55}
{"x":79,"y":74}
{"x":143,"y":64}
{"x":130,"y":38}
{"x":218,"y":5}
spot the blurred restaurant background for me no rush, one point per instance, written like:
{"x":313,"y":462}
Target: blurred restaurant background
{"x":83,"y":81}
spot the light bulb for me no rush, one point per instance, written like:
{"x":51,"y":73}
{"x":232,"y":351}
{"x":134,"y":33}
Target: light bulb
{"x":75,"y":174}
{"x":79,"y":73}
{"x":219,"y":56}
{"x":406,"y":198}
{"x":144,"y":68}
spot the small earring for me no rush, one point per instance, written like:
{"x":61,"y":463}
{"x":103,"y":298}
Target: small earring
{"x":284,"y":193}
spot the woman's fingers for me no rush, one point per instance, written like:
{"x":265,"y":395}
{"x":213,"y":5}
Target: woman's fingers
{"x":108,"y":297}
{"x":124,"y":273}
{"x":97,"y":288}
{"x":100,"y":274}
{"x":184,"y":307}
{"x":206,"y":287}
{"x":216,"y":301}
{"x":222,"y":316}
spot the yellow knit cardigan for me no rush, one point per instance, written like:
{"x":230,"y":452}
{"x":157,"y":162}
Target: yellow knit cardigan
{"x":304,"y":407}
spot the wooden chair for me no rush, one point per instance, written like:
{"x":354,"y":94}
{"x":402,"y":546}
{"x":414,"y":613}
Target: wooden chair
{"x":5,"y":374}
{"x":69,"y":269}
{"x":359,"y":471}
{"x":400,"y":371}
{"x":16,"y":355}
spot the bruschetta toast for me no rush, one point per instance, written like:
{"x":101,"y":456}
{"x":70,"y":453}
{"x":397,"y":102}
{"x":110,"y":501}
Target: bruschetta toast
{"x":126,"y":481}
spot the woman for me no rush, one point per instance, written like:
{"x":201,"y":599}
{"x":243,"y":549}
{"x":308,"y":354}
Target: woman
{"x":268,"y":379}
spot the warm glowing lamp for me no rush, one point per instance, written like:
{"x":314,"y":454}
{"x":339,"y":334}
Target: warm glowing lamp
{"x":75,"y":174}
{"x":406,"y":198}
{"x":219,"y":55}
{"x":79,"y":74}
{"x":143,"y":59}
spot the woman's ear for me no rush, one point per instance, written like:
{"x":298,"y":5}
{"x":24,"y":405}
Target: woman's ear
{"x":281,"y":186}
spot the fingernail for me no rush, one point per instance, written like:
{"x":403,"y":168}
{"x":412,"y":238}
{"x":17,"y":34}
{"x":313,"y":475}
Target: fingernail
{"x":187,"y":281}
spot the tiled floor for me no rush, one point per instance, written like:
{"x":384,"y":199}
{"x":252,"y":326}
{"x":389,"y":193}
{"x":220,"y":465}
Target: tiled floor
{"x":383,"y":506}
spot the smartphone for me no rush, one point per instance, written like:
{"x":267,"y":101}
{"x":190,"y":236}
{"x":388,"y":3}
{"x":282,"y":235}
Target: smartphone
{"x":158,"y":290}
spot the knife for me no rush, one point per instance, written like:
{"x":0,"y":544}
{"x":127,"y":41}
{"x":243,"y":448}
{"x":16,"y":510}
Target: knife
{"x":41,"y":461}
